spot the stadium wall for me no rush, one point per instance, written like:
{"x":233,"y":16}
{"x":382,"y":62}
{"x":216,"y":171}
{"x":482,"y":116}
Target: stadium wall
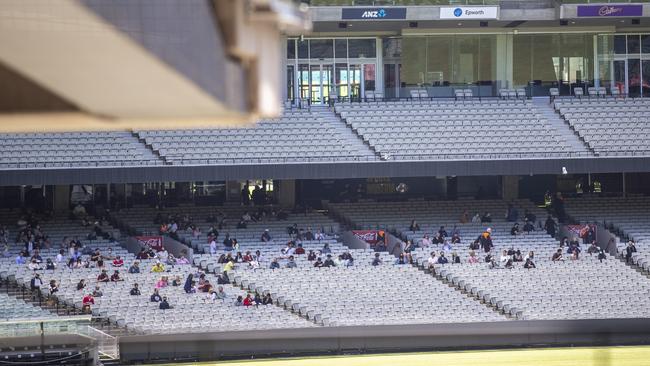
{"x":328,"y":340}
{"x":322,"y":170}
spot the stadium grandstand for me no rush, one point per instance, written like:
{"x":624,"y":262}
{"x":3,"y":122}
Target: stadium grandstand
{"x":209,"y":180}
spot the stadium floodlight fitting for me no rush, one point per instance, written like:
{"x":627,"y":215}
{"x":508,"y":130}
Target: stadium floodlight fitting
{"x":106,"y":77}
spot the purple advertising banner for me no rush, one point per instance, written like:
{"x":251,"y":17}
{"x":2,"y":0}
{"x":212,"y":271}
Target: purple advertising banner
{"x":610,"y":10}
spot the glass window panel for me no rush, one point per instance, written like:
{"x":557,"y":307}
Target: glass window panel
{"x":522,"y":63}
{"x":633,"y":44}
{"x":341,"y":79}
{"x":369,"y":77}
{"x":321,"y":48}
{"x":291,"y":49}
{"x":362,"y":48}
{"x":341,"y":48}
{"x":414,"y":60}
{"x":465,"y":59}
{"x":392,"y":47}
{"x":439,"y":65}
{"x":619,"y":45}
{"x":645,"y":44}
{"x":634,"y":77}
{"x":487,"y":67}
{"x":303,"y":49}
{"x":646,"y":78}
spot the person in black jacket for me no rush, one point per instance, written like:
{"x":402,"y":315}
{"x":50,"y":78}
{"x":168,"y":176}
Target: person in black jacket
{"x":164,"y":305}
{"x":155,"y":297}
{"x":222,"y":278}
{"x":629,"y":251}
{"x":135,"y":291}
{"x":329,"y":262}
{"x":485,"y":240}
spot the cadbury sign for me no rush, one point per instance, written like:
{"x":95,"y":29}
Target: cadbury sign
{"x":632,"y":10}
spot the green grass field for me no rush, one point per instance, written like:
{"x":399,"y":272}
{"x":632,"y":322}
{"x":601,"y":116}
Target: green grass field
{"x":587,"y":356}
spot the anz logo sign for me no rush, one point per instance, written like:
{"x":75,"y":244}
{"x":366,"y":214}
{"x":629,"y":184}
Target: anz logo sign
{"x":357,"y":13}
{"x":373,"y":14}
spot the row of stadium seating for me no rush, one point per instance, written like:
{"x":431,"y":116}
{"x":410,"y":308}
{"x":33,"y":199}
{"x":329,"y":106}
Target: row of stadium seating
{"x":442,"y":130}
{"x":573,"y":289}
{"x":629,"y":216}
{"x":403,"y":130}
{"x":80,"y":149}
{"x":611,"y":128}
{"x":299,"y":135}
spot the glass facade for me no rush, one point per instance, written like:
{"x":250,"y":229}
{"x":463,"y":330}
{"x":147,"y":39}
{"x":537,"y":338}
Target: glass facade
{"x":542,"y":61}
{"x":348,"y":68}
{"x":624,"y":63}
{"x":442,"y":63}
{"x":331,"y":68}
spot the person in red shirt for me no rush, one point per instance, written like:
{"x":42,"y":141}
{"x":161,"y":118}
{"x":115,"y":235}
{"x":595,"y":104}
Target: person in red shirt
{"x":87,"y":301}
{"x":248,"y":257}
{"x":299,"y":250}
{"x":103,"y":277}
{"x":118,"y":261}
{"x":248,"y":301}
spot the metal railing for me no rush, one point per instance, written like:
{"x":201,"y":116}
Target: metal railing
{"x":107,"y":345}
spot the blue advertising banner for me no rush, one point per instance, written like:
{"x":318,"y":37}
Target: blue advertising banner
{"x":388,"y":13}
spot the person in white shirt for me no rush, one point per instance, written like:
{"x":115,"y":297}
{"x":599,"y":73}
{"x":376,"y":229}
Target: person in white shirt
{"x":289,"y":250}
{"x":258,"y":256}
{"x":426,"y":241}
{"x":213,"y":247}
{"x":505,"y":261}
{"x":530,"y":256}
{"x":319,"y":235}
{"x":433,"y":259}
{"x":33,"y":265}
{"x":254,"y":264}
{"x":173,"y":228}
{"x":163,"y":254}
{"x":60,"y":258}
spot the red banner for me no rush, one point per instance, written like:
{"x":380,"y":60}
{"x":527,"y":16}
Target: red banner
{"x":582,"y":230}
{"x":154,"y":242}
{"x":369,"y":236}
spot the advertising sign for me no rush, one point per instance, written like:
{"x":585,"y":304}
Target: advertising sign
{"x":610,"y":10}
{"x":388,"y":13}
{"x":469,"y":12}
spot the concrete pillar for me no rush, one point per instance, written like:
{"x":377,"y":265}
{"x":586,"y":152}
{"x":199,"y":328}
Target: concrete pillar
{"x":379,"y":71}
{"x":61,"y":199}
{"x":283,"y":55}
{"x":510,"y":187}
{"x":287,"y":193}
{"x":504,"y":60}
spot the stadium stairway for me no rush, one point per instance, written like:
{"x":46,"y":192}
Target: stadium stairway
{"x":460,"y":288}
{"x":354,"y":140}
{"x":576,"y":142}
{"x":150,"y":148}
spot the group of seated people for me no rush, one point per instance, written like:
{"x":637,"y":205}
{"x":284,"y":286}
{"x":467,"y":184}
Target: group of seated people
{"x":319,"y":258}
{"x":573,"y":250}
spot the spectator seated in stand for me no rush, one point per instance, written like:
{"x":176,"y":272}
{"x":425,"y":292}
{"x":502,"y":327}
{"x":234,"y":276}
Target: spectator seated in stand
{"x":135,"y":290}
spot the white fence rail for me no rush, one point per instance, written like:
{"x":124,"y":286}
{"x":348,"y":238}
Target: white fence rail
{"x":107,"y":345}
